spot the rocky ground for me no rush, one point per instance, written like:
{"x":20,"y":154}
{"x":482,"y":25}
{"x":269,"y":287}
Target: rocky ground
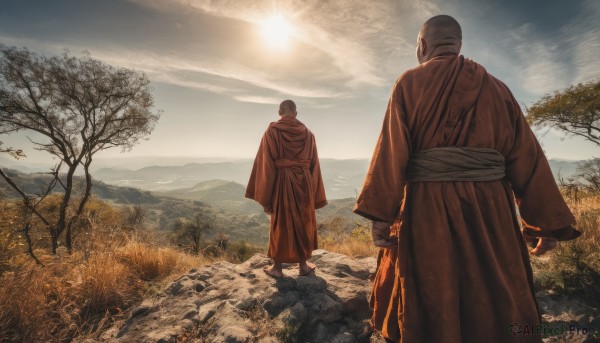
{"x":578,"y":320}
{"x":225,"y":302}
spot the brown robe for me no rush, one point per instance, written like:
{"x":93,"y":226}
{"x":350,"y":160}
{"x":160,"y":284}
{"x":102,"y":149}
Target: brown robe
{"x":286,"y":181}
{"x":461,"y":270}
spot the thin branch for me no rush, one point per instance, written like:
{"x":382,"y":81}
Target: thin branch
{"x":25,"y":197}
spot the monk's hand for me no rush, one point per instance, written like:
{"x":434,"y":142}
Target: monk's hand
{"x":380,"y":231}
{"x":544,"y":245}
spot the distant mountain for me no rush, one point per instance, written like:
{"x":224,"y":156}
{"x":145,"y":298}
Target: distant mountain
{"x":228,"y":195}
{"x":156,"y":178}
{"x":23,"y":165}
{"x":34,"y":183}
{"x":563,"y":168}
{"x":342,"y":178}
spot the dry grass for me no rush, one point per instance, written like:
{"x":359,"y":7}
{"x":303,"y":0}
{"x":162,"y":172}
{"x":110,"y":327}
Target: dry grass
{"x":71,"y":296}
{"x":104,"y":285}
{"x":356,"y":244}
{"x":573,"y":268}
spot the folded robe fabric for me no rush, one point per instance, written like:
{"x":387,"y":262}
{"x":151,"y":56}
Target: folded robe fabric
{"x":455,"y":164}
{"x":461,"y":271}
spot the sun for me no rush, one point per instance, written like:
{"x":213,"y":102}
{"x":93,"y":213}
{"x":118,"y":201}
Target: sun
{"x":277,"y":32}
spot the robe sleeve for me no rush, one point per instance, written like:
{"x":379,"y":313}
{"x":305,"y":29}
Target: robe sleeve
{"x":543,"y":210}
{"x":315,"y":170}
{"x":383,"y":190}
{"x":264,"y":172}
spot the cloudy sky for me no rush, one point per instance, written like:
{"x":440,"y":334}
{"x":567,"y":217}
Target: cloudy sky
{"x":219,"y":68}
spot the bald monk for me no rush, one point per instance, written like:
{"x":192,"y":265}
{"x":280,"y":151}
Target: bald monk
{"x":454,"y":149}
{"x":286,"y":181}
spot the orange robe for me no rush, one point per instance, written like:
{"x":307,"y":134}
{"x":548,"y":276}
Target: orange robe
{"x":286,"y":181}
{"x":461,"y":271}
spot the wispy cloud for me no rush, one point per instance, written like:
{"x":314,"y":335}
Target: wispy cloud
{"x":341,"y":47}
{"x":569,"y":55}
{"x":584,"y":36}
{"x":257,"y":99}
{"x":348,"y":32}
{"x":541,"y":66}
{"x":184,"y":72}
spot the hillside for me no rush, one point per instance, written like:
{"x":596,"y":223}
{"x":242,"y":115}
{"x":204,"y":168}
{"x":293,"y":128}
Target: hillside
{"x":161,"y":211}
{"x":228,"y":195}
{"x":33,"y":183}
{"x":172,"y":192}
{"x":240,"y":218}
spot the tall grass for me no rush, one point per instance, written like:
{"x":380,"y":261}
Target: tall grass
{"x":573,"y":267}
{"x":73,"y":296}
{"x":356,"y":243}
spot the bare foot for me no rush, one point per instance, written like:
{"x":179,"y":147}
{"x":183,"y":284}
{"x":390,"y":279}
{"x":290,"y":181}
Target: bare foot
{"x":306,"y":268}
{"x":273,"y":272}
{"x":544,"y":245}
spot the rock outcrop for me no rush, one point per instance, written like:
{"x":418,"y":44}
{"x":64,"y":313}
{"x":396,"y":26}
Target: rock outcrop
{"x":225,"y":302}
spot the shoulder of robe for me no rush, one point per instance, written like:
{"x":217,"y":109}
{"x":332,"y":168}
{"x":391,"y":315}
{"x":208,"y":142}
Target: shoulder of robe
{"x":271,"y":130}
{"x":272,"y":126}
{"x":407,"y":80}
{"x":503,"y":89}
{"x":409,"y":75}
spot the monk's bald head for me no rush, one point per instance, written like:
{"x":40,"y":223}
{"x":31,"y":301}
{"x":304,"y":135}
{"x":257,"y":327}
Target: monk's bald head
{"x":439,"y":35}
{"x":287,"y":108}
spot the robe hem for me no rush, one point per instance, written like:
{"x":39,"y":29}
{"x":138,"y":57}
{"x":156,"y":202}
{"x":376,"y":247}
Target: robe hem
{"x":369,"y":215}
{"x":566,"y":233}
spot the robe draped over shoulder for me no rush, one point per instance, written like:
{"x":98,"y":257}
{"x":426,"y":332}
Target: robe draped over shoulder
{"x":461,"y":269}
{"x":286,"y":180}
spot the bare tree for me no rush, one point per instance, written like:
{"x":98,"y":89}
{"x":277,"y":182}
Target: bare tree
{"x":79,"y":106}
{"x":589,"y":172}
{"x":191,"y":232}
{"x":133,"y":216}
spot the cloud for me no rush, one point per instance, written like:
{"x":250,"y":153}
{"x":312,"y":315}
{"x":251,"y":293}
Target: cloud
{"x":583,"y":34}
{"x":351,"y":34}
{"x":227,"y":78}
{"x":555,"y":60}
{"x":257,"y":99}
{"x":424,"y":7}
{"x":341,"y":48}
{"x":542,"y":67}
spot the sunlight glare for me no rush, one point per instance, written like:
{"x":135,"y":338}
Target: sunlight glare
{"x":276,"y":32}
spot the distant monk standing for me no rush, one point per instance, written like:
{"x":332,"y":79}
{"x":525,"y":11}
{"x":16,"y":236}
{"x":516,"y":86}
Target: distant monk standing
{"x":286,"y":181}
{"x":453,"y":150}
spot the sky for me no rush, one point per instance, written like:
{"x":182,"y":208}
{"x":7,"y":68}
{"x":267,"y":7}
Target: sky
{"x":220,"y":68}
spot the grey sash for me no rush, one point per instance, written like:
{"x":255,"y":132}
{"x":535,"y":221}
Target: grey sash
{"x":455,"y":164}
